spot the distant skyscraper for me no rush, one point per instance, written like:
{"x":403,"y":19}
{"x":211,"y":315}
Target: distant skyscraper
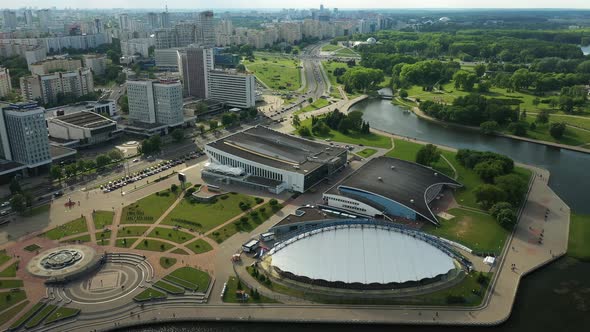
{"x":164,"y":20}
{"x":321,"y":8}
{"x":152,"y":20}
{"x":124,"y":22}
{"x":44,"y":19}
{"x":205,"y":29}
{"x":195,"y":65}
{"x":28,"y":14}
{"x":97,"y":26}
{"x":9,"y":19}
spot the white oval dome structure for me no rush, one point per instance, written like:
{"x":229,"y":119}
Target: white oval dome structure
{"x":362,"y":255}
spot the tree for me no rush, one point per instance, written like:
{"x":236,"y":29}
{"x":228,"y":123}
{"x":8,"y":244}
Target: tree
{"x":213,"y":124}
{"x":124,"y":104}
{"x":489,"y":127}
{"x":488,"y":195}
{"x":296,"y":121}
{"x":174,"y":187}
{"x":542,"y":117}
{"x":506,"y":218}
{"x":557,"y":129}
{"x":15,"y":186}
{"x":310,"y":100}
{"x":304,"y":131}
{"x":90,"y":164}
{"x":428,"y":155}
{"x":177,"y":134}
{"x":533,"y":126}
{"x":465,"y":80}
{"x":115,"y":154}
{"x":273,"y":202}
{"x":228,"y":119}
{"x":488,"y":170}
{"x":253,"y":112}
{"x":320,"y":128}
{"x":71,"y":170}
{"x":480,"y":69}
{"x":28,"y":199}
{"x":81,"y":165}
{"x":496,"y":208}
{"x":18,"y":204}
{"x":403,"y":94}
{"x":514,"y":186}
{"x":102,"y":160}
{"x":517,"y":128}
{"x":56,"y":173}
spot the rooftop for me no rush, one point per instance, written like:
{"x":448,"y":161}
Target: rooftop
{"x":85,"y":119}
{"x":398,"y":180}
{"x":265,"y":146}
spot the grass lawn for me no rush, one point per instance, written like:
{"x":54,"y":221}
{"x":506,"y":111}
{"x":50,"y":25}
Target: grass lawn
{"x":81,"y":239}
{"x":205,"y":216}
{"x":102,"y":235}
{"x":346,"y":52}
{"x":169,"y":288}
{"x":279,"y":73}
{"x":103,"y":242}
{"x":330,"y":47}
{"x":407,"y":150}
{"x":370,"y":139}
{"x":199,"y":246}
{"x":75,"y":226}
{"x":366,"y":153}
{"x":150,"y":294}
{"x":329,"y":67}
{"x":463,"y":289}
{"x":167,"y":262}
{"x":102,"y":219}
{"x":579,"y":237}
{"x":177,"y":236}
{"x":31,"y":248}
{"x":478,"y":231}
{"x":179,"y":251}
{"x":231,"y":297}
{"x":12,"y":312}
{"x":4,"y":257}
{"x":572,"y":136}
{"x":11,"y":283}
{"x":153,"y":245}
{"x":126,"y":231}
{"x":62,"y":313}
{"x":8,"y":299}
{"x":254,"y":219}
{"x":194,"y":276}
{"x":570,"y":120}
{"x":125,"y":242}
{"x":9,"y":271}
{"x":148,"y":209}
{"x":317,"y":104}
{"x":24,"y":317}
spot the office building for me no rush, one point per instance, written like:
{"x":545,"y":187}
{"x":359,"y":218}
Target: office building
{"x":23,"y":134}
{"x":194,"y":66}
{"x":205,"y":29}
{"x":8,"y":19}
{"x":52,"y":65}
{"x":270,"y":160}
{"x":96,"y":62}
{"x":155,"y":102}
{"x":5,"y":84}
{"x":46,"y":88}
{"x":232,"y":88}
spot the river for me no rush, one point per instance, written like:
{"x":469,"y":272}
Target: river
{"x":554,"y":298}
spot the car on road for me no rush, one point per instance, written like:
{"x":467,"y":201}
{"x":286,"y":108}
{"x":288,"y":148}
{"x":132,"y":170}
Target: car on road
{"x":58,"y":194}
{"x":5,"y":204}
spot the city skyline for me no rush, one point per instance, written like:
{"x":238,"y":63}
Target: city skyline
{"x":344,"y":4}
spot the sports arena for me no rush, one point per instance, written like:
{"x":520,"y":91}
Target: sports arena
{"x":364,"y":254}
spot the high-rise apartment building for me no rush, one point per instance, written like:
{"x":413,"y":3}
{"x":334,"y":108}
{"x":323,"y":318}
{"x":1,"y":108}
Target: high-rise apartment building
{"x":205,"y":29}
{"x":124,"y":22}
{"x":23,"y":134}
{"x":155,"y":101}
{"x":8,"y":19}
{"x":44,"y":19}
{"x":28,"y":14}
{"x":96,"y":62}
{"x":47,"y":87}
{"x":5,"y":84}
{"x":194,"y":66}
{"x":164,"y":20}
{"x":232,"y":88}
{"x":152,"y":20}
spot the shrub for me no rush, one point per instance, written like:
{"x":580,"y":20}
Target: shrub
{"x":258,"y":200}
{"x":273,"y":202}
{"x":496,"y":208}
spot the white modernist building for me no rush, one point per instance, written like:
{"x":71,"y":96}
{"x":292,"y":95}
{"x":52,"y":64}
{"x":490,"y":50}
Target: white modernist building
{"x":85,"y":128}
{"x":155,"y":101}
{"x":267,"y":159}
{"x":232,"y":88}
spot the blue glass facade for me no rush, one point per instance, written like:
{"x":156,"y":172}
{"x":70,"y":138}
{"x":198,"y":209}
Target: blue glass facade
{"x":388,"y":206}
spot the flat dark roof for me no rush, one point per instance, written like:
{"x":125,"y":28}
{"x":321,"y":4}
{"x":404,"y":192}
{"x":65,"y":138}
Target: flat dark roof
{"x":303,"y":214}
{"x":266,"y":146}
{"x":85,"y":119}
{"x":398,"y":180}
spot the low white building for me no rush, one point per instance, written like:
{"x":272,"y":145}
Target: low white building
{"x":85,"y":128}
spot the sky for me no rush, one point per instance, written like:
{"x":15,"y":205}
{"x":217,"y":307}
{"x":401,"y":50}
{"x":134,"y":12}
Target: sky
{"x":192,"y":4}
